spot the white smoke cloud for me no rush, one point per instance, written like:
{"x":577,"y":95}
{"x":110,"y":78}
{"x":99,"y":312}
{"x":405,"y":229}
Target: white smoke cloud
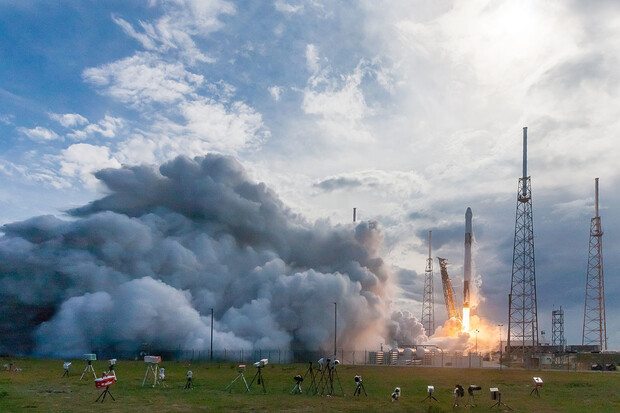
{"x":405,"y":329}
{"x":147,"y":263}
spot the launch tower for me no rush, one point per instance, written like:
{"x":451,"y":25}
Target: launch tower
{"x":522,"y":305}
{"x":594,"y":324}
{"x":448,"y":291}
{"x":428,"y":303}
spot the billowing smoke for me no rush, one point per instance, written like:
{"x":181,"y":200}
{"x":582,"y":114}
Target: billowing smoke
{"x":405,"y":330}
{"x":146,"y":264}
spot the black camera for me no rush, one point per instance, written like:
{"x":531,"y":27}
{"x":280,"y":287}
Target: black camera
{"x":472,"y":388}
{"x":298,"y":378}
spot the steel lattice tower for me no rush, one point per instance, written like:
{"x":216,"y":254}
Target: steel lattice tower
{"x":428,"y":303}
{"x":594,"y":324}
{"x":557,"y":328}
{"x":522,"y":304}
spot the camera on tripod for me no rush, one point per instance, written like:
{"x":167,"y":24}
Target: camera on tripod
{"x":358,"y":379}
{"x":472,"y":388}
{"x":261,"y":363}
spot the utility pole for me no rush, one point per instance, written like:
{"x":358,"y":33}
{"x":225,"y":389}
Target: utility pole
{"x":500,"y":345}
{"x":335,"y":326}
{"x":211,"y":356}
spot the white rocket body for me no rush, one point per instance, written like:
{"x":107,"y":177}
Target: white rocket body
{"x":467,"y":263}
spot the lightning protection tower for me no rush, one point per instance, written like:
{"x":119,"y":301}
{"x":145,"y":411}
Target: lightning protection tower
{"x":522,"y":306}
{"x":557,"y":329}
{"x":594,"y":324}
{"x":428,"y":303}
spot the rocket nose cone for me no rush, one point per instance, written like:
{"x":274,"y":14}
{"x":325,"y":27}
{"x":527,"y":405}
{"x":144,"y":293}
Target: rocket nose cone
{"x":468,"y":215}
{"x":468,"y":212}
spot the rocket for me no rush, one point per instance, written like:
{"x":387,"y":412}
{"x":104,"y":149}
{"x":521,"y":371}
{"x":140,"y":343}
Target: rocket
{"x":467,"y":263}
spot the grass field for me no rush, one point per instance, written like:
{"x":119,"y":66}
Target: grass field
{"x":40,"y":387}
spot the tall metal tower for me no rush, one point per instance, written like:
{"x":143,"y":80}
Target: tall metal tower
{"x":557,"y":329}
{"x":594,"y":324}
{"x":428,"y":303}
{"x":522,"y":304}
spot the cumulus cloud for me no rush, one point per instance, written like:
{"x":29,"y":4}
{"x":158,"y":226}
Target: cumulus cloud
{"x":69,"y":120}
{"x":147,"y":262}
{"x":143,"y":79}
{"x":39,"y":133}
{"x":107,"y":127}
{"x":82,"y":160}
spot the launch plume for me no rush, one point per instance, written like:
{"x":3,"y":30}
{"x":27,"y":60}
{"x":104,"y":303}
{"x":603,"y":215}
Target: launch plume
{"x":147,"y":262}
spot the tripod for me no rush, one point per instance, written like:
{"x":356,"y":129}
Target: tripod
{"x":188,"y":384}
{"x":312,"y":382}
{"x":329,"y":382}
{"x":151,"y":367}
{"x":322,"y":380}
{"x":535,"y":391}
{"x":500,"y":402}
{"x":261,"y":381}
{"x":105,"y":393}
{"x":239,"y":376}
{"x":89,"y":367}
{"x":297,"y":388}
{"x":471,"y":400}
{"x":359,"y":389}
{"x":430,"y":397}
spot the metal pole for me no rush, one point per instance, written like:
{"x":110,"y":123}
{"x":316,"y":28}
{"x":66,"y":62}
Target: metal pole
{"x":524,"y":161}
{"x":500,"y":345}
{"x":476,"y":331}
{"x":211,"y":356}
{"x":335,"y":325}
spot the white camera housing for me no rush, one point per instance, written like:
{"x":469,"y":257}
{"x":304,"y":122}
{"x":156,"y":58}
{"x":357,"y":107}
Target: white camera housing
{"x":112,"y":362}
{"x":430,"y":389}
{"x":152,"y":359}
{"x":66,"y":365}
{"x":261,"y":363}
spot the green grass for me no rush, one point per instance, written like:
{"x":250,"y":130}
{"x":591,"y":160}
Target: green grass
{"x":40,"y":387}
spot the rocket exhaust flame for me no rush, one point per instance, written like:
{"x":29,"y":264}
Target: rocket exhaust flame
{"x":465,"y":322}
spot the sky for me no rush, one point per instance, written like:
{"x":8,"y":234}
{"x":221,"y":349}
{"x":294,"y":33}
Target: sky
{"x":409,"y":111}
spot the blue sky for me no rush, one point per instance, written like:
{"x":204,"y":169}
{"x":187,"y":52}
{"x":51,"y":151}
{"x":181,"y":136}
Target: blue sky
{"x":410,"y":111}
